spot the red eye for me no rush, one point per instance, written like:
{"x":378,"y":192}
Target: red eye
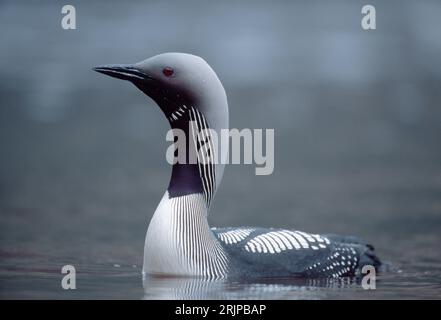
{"x":168,"y":72}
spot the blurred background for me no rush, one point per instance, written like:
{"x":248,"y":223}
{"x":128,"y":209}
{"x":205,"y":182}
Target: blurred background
{"x":357,"y":119}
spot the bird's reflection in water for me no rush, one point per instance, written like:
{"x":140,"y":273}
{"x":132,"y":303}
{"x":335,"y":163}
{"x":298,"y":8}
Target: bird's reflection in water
{"x":176,"y":288}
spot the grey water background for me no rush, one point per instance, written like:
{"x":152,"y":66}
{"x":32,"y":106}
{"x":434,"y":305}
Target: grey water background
{"x":357,"y":119}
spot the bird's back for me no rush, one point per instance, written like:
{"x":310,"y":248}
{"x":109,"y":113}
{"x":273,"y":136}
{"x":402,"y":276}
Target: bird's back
{"x":261,"y":252}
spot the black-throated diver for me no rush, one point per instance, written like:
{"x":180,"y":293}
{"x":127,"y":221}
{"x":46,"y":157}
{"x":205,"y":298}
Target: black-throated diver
{"x":179,"y":240}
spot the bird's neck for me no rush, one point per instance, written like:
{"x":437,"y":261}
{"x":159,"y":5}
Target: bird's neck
{"x":198,"y":170}
{"x":179,"y":240}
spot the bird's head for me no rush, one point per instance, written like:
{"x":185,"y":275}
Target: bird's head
{"x":175,"y":80}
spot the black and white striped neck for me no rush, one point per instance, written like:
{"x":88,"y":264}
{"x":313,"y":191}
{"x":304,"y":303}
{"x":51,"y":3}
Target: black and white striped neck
{"x":199,"y":175}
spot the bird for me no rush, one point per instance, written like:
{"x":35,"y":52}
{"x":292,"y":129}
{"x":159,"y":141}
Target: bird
{"x":179,"y":240}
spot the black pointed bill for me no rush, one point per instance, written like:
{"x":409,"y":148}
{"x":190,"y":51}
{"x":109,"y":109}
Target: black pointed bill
{"x":122,"y":71}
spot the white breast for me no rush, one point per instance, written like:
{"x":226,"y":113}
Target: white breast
{"x":180,"y":242}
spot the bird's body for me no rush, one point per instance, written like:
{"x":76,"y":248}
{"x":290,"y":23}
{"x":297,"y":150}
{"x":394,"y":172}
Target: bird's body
{"x":264,"y":252}
{"x":179,"y":240}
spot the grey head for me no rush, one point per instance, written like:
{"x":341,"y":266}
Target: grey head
{"x":178,"y":83}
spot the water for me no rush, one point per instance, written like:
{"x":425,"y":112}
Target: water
{"x":357,"y":126}
{"x":30,"y":277}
